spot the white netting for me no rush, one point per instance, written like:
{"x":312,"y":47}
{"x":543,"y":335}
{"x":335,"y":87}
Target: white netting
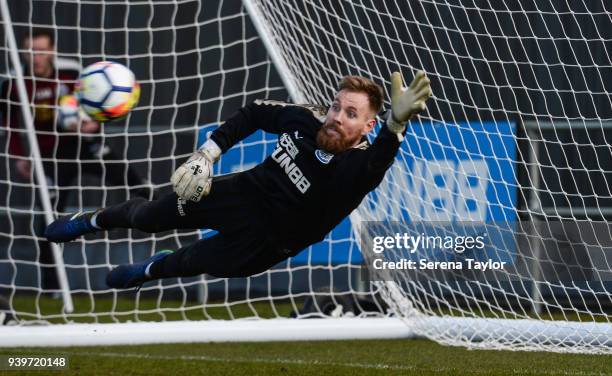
{"x":515,"y":138}
{"x":514,"y":145}
{"x":197,"y":63}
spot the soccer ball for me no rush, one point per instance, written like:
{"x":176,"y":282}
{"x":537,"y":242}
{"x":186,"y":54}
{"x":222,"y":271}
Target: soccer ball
{"x":107,"y":91}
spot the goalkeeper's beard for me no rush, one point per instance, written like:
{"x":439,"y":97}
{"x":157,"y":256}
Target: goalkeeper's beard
{"x":333,"y":139}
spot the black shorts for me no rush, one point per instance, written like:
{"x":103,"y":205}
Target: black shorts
{"x":240,"y":248}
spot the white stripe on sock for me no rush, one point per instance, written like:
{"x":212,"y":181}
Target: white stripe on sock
{"x":92,"y":220}
{"x":147,"y":270}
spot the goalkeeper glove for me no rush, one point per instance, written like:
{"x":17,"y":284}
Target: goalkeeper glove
{"x":193,"y":179}
{"x":405,"y":103}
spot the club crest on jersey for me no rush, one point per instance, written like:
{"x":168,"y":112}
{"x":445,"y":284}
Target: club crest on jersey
{"x":323,"y":157}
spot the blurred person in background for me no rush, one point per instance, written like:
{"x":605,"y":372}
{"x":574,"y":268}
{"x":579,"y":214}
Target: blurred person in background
{"x":68,"y":139}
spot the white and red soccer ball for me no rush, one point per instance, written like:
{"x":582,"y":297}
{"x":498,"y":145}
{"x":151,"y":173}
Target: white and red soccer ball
{"x":107,"y":90}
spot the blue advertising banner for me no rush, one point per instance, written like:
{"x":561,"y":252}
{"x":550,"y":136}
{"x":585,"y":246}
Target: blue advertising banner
{"x":444,"y":172}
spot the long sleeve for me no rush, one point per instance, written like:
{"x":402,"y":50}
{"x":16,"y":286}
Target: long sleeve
{"x":363,"y":170}
{"x":244,"y":122}
{"x":383,"y":151}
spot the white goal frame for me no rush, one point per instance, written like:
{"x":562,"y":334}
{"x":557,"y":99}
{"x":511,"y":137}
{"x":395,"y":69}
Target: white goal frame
{"x":403,"y":322}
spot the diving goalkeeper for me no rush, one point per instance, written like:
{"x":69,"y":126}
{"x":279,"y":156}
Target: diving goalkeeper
{"x":321,"y":169}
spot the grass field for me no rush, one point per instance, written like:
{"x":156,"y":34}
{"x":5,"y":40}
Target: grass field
{"x":104,"y":309}
{"x":389,"y":357}
{"x":371,"y":357}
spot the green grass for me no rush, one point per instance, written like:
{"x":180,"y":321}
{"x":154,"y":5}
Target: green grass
{"x":419,"y":357}
{"x":98,"y":309}
{"x":371,"y":357}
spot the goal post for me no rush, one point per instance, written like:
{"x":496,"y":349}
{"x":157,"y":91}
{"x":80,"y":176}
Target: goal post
{"x":513,"y":152}
{"x":509,"y":143}
{"x":43,"y":190}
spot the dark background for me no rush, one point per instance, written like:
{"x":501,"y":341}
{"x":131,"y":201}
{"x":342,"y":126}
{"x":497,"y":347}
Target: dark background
{"x":524,"y":61}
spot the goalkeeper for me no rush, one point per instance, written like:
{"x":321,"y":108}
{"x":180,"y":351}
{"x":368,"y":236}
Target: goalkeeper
{"x":321,"y":169}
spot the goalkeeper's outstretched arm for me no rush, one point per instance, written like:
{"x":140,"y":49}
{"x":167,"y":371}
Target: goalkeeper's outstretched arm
{"x":192,"y":180}
{"x":254,"y":116}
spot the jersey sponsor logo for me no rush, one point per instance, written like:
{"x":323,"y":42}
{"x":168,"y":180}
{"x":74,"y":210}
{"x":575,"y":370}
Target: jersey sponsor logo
{"x":323,"y":157}
{"x":43,"y":93}
{"x":291,"y":169}
{"x":297,"y":135}
{"x":290,"y":147}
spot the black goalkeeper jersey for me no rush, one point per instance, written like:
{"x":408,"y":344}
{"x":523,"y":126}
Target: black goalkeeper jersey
{"x":300,"y":192}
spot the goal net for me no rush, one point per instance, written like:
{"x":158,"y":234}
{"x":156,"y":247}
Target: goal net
{"x":513,"y":152}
